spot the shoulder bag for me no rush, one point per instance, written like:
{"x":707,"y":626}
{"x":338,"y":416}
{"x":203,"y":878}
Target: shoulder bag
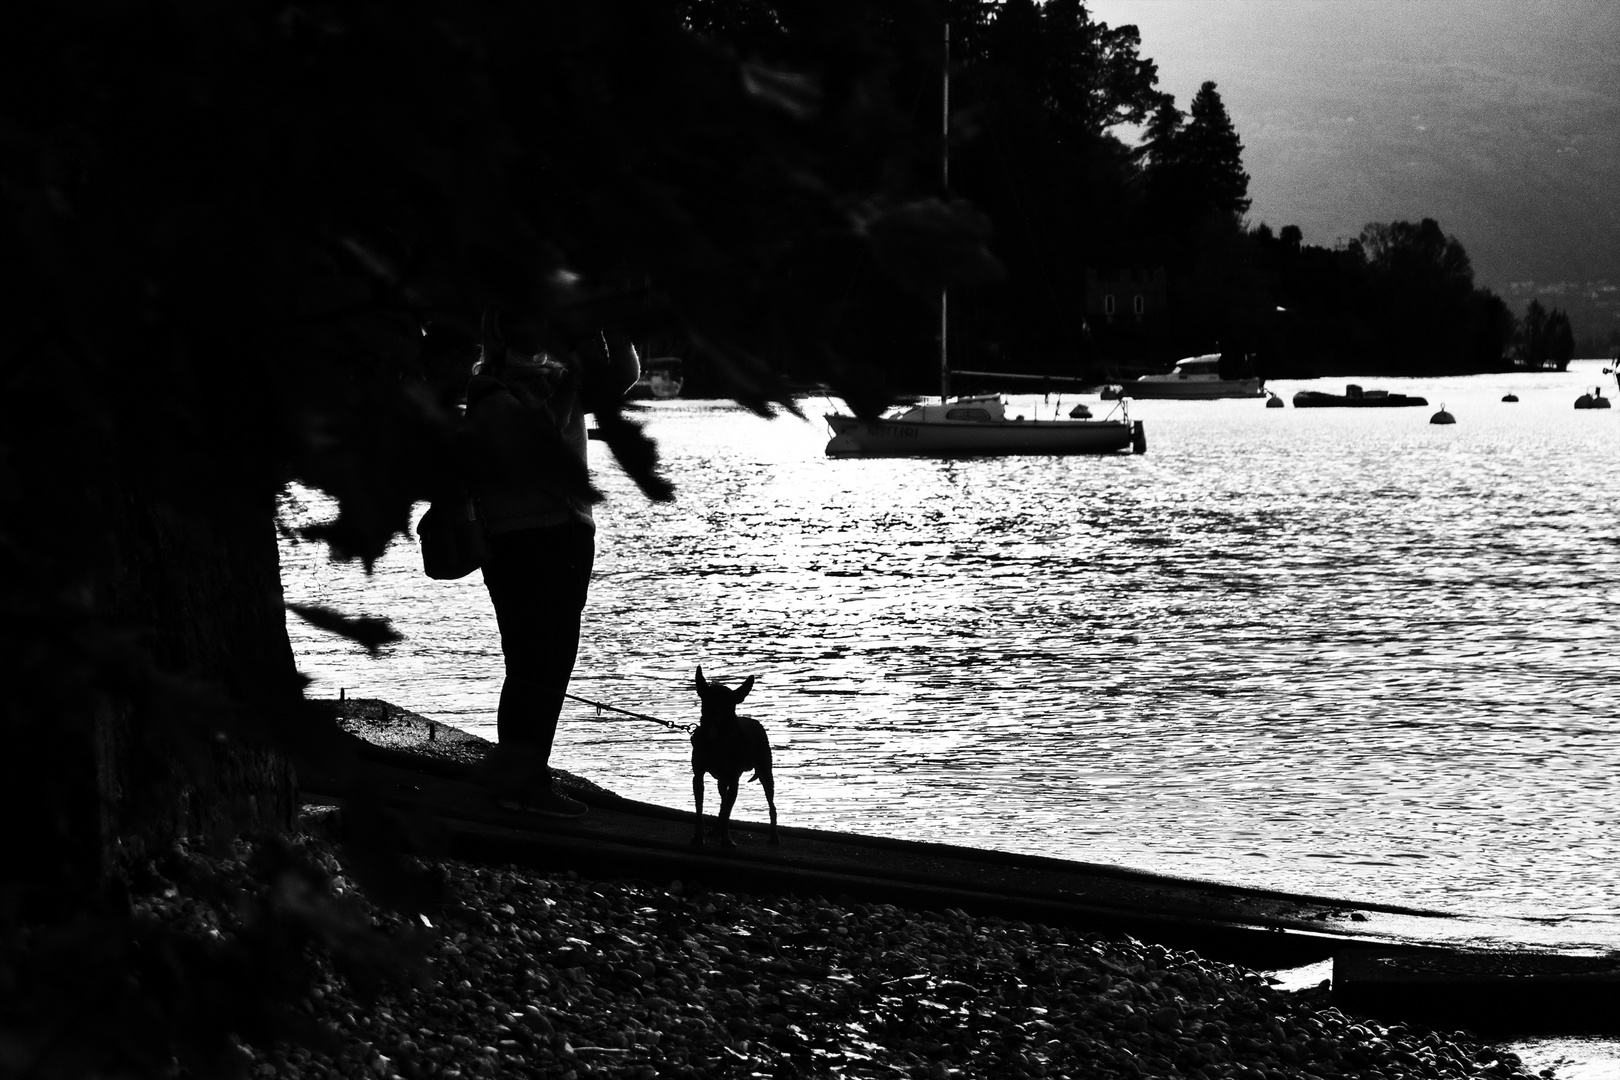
{"x":452,"y":538}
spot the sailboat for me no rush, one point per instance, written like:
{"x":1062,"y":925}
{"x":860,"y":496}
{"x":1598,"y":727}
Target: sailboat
{"x":976,"y":425}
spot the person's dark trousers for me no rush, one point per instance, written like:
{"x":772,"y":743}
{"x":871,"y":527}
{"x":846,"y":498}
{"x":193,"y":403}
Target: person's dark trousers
{"x":537,"y":581}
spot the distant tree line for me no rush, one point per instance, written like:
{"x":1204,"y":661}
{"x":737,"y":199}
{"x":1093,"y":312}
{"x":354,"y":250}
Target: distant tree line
{"x":1545,"y":338}
{"x":1400,"y":297}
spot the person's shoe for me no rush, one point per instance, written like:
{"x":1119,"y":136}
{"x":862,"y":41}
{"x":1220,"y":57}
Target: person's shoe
{"x":512,"y":767}
{"x":545,"y":801}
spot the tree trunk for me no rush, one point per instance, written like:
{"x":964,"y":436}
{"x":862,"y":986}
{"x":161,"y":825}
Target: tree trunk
{"x":152,"y":727}
{"x":187,"y":758}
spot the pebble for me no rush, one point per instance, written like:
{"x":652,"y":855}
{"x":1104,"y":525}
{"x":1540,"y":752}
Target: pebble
{"x":551,"y":975}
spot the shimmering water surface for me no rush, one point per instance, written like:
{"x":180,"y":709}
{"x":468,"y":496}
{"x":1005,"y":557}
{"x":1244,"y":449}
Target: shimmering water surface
{"x":1344,"y":652}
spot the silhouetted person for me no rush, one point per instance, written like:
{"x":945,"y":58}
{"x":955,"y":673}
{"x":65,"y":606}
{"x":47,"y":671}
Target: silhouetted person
{"x":525,"y":446}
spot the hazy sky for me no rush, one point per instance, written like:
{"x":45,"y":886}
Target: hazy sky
{"x":1499,"y":118}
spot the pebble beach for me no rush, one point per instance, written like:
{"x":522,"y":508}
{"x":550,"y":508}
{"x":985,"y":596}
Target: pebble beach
{"x":534,"y":974}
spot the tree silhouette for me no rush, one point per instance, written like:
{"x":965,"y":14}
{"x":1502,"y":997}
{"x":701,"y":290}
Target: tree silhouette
{"x":1421,"y":296}
{"x":1210,"y":149}
{"x":1194,"y":169}
{"x":1157,"y":149}
{"x":1037,"y":91}
{"x":1532,"y":337}
{"x":1418,"y":256}
{"x":1545,"y":338}
{"x":237,"y":237}
{"x":1398,"y":298}
{"x":1095,"y":75}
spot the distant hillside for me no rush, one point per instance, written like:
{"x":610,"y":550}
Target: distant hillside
{"x":1500,"y":120}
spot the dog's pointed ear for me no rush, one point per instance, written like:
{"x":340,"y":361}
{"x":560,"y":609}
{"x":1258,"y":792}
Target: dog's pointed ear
{"x":742,"y":691}
{"x":700,"y":683}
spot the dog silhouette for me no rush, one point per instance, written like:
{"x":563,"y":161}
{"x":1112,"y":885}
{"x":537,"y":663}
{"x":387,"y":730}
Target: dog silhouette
{"x":725,"y":746}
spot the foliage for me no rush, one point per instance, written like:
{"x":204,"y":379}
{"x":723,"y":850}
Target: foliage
{"x":1400,"y":298}
{"x":1194,"y":169}
{"x":1083,"y":77}
{"x":1038,"y":92}
{"x":1545,"y":338}
{"x":240,"y":238}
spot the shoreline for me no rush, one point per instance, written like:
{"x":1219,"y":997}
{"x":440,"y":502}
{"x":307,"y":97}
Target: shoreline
{"x":539,"y":974}
{"x":396,"y":729}
{"x":436,"y":764}
{"x":515,"y":971}
{"x":409,"y":741}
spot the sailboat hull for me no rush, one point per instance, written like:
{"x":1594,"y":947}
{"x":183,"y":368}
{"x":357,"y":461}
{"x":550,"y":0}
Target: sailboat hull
{"x":853,"y":437}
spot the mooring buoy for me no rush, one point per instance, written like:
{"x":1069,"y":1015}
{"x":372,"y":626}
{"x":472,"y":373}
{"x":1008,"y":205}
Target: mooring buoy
{"x":1442,"y":417}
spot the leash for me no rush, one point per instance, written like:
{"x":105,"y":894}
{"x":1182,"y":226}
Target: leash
{"x":633,"y":715}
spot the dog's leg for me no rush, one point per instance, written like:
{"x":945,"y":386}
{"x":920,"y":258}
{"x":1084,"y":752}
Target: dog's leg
{"x":769,"y":785}
{"x":762,"y":773}
{"x":728,"y":796}
{"x":697,"y":799}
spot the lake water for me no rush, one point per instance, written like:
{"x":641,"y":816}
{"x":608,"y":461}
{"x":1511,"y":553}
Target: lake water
{"x":1343,"y":652}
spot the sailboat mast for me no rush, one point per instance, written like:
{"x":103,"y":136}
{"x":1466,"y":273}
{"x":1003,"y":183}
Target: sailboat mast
{"x":945,"y":187}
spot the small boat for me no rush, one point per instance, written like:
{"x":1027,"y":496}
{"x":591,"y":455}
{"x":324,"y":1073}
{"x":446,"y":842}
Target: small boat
{"x":1354,"y":397}
{"x":661,"y":379}
{"x":977,"y":425}
{"x":1196,"y":377}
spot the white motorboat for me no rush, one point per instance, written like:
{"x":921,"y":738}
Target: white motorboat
{"x":1196,"y":377}
{"x":661,"y":379}
{"x":974,"y":426}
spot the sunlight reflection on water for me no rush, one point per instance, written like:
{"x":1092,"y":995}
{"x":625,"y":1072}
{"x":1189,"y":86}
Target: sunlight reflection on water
{"x":1335,"y":651}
